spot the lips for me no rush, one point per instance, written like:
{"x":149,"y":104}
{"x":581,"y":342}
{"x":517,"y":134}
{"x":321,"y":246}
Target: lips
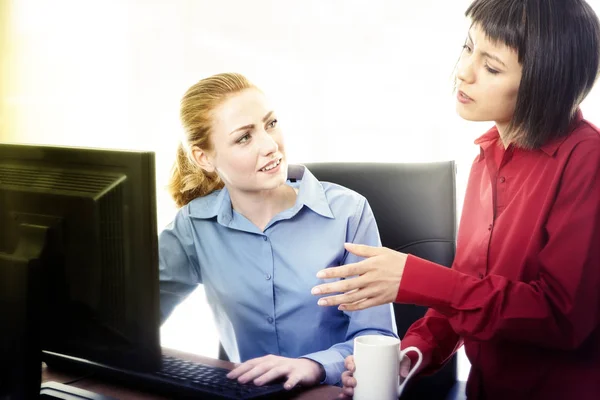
{"x":270,"y":165}
{"x":464,"y":95}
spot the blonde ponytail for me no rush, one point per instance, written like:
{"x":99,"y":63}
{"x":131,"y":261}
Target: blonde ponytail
{"x":189,"y":181}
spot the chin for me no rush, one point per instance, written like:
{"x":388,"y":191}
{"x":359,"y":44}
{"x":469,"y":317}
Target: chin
{"x":272,"y":185}
{"x":460,"y":110}
{"x":281,"y":179}
{"x":277,"y":180}
{"x":469,"y":115}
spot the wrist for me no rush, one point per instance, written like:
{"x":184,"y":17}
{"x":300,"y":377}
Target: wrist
{"x":318,"y":371}
{"x":321,"y":375}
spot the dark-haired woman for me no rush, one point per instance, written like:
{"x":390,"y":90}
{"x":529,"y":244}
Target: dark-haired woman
{"x":523,"y":294}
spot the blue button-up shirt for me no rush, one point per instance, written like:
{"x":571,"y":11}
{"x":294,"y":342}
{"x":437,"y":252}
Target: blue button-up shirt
{"x":258,"y":282}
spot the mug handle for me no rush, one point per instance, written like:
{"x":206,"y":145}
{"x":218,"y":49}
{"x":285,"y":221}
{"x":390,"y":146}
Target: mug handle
{"x":413,"y":368}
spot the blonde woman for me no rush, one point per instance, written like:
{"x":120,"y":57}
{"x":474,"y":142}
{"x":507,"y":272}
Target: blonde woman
{"x":254,"y":231}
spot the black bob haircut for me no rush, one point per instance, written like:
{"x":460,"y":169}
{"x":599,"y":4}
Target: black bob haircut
{"x":558,"y":45}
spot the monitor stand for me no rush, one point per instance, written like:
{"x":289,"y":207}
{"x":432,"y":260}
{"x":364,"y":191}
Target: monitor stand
{"x":20,"y":319}
{"x":20,"y":308}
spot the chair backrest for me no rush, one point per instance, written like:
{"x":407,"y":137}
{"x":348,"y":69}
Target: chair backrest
{"x":415,"y":209}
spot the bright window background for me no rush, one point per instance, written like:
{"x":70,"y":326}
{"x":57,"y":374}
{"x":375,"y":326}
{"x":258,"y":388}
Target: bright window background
{"x":353,"y":81}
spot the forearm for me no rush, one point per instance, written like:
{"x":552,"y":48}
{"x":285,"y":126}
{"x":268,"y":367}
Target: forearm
{"x":332,"y":359}
{"x":494,"y":307}
{"x":332,"y":362}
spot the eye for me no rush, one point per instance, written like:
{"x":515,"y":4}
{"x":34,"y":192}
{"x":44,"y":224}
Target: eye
{"x":491,"y":70}
{"x":272,"y":124}
{"x":467,"y":48}
{"x":243,"y":139}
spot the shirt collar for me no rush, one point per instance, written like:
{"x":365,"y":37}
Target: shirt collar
{"x":486,"y":140}
{"x":310,"y":191}
{"x":310,"y":194}
{"x":492,"y":136}
{"x":216,"y":204}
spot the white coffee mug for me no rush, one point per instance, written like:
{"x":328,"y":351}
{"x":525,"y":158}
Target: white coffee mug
{"x":377,"y":360}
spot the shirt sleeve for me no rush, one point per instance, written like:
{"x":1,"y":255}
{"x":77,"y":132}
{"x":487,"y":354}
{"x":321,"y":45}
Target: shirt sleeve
{"x":179,"y":272}
{"x":561,"y":308}
{"x":435,"y":338}
{"x":373,"y":321}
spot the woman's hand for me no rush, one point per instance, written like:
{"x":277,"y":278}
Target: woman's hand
{"x":265,"y":369}
{"x":377,"y":282}
{"x":349,"y":383}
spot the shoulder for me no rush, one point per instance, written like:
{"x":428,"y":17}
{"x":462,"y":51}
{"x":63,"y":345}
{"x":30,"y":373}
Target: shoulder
{"x":580,"y":152}
{"x":578,"y":157}
{"x":326,"y":198}
{"x":342,"y":199}
{"x":334,"y":191}
{"x":202,"y":207}
{"x":585,"y":135}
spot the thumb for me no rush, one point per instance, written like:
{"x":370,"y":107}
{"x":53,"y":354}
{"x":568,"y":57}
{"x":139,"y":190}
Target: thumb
{"x":362,"y":250}
{"x":405,"y":367}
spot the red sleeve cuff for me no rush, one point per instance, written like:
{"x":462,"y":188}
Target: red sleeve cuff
{"x":427,"y":284}
{"x":425,"y":348}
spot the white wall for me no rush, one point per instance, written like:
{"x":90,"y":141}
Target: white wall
{"x":354,"y":80}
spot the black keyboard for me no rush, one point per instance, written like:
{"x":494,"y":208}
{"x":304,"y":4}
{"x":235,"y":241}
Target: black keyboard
{"x":178,"y":378}
{"x":189,"y":378}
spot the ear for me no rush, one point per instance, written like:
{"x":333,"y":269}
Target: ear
{"x":201,"y":159}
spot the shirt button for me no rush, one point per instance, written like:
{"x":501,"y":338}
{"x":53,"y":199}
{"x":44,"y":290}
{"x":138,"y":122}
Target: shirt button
{"x":502,"y":179}
{"x":270,"y":320}
{"x":480,"y":275}
{"x":490,"y":227}
{"x":265,"y":238}
{"x":268,"y":276}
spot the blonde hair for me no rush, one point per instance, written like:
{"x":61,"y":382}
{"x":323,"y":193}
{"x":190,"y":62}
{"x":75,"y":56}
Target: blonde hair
{"x":188,"y":181}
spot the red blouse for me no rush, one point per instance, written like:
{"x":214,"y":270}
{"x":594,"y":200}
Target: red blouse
{"x":523,"y":293}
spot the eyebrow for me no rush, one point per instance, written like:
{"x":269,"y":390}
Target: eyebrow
{"x":488,"y":55}
{"x":265,"y":119}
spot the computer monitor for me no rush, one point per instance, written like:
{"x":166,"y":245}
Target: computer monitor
{"x":78,"y":258}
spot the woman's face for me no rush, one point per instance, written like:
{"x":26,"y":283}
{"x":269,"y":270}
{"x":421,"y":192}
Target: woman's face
{"x":248,"y":150}
{"x":488,"y":79}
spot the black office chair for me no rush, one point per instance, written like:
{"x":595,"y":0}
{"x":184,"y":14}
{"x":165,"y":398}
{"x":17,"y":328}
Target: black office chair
{"x":415,"y":209}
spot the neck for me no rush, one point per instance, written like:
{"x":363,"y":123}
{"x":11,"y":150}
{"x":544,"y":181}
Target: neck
{"x":502,"y":131}
{"x":260,"y":207}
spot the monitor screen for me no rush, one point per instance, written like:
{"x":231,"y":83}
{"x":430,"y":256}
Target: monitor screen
{"x":84,"y":220}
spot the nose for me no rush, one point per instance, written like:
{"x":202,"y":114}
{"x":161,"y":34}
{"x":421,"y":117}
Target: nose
{"x":465,"y":71}
{"x":268,"y":144}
